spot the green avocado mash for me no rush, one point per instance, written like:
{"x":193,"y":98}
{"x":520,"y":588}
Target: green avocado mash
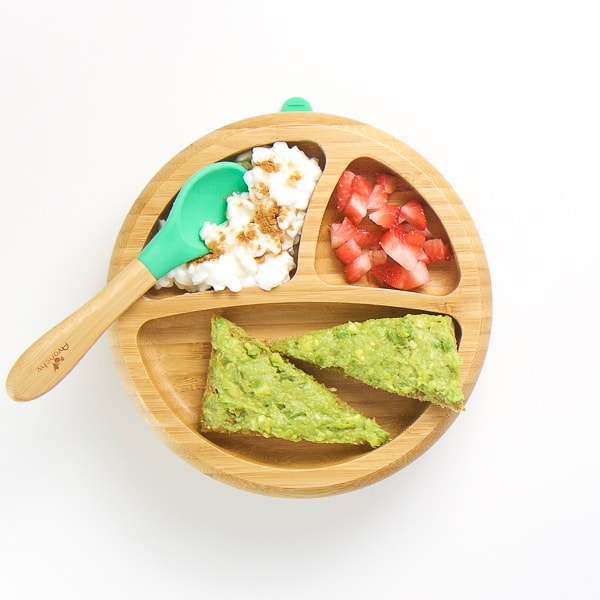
{"x":252,"y":389}
{"x":413,"y":356}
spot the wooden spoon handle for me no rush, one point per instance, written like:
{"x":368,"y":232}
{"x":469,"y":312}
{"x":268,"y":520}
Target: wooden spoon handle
{"x":53,"y":355}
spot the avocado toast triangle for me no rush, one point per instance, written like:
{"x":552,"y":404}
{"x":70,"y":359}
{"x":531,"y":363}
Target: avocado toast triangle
{"x":252,"y":389}
{"x":414,"y":356}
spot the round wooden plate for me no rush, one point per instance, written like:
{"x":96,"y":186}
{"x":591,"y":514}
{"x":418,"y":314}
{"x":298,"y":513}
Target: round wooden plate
{"x":162,"y":344}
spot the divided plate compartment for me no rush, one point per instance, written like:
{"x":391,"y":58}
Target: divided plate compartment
{"x":162,"y":346}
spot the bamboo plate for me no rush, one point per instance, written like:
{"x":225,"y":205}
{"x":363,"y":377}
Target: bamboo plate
{"x":162,"y":344}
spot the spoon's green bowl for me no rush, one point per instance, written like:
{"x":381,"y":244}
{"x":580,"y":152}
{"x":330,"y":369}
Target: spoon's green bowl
{"x":203,"y":198}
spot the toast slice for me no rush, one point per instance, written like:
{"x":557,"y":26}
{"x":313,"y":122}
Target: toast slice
{"x":252,"y":389}
{"x":414,"y":356}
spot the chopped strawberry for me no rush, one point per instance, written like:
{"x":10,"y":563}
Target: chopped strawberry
{"x":389,"y":272}
{"x":378,"y":257}
{"x":341,"y":232}
{"x":367,"y":239}
{"x":356,"y":207}
{"x":415,"y":237}
{"x":399,"y":256}
{"x":388,"y":182}
{"x":360,"y":266}
{"x":409,"y":228}
{"x":348,"y":251}
{"x":378,"y":197}
{"x":385,"y":217}
{"x":344,"y":189}
{"x":405,"y":225}
{"x":395,"y":245}
{"x":413,"y":212}
{"x":361,"y":187}
{"x":436,"y":250}
{"x":417,"y":277}
{"x":333,"y":235}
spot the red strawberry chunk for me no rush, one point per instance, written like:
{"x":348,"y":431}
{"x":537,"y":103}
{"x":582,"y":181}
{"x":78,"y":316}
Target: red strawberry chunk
{"x":398,"y":256}
{"x":413,"y":212}
{"x":361,"y":187}
{"x":409,"y":227}
{"x":360,"y":266}
{"x":417,"y":277}
{"x":341,"y":232}
{"x":367,"y":239}
{"x":378,"y":197}
{"x":344,"y":189}
{"x":395,"y":245}
{"x":385,"y":217}
{"x":390,"y":273}
{"x":348,"y":251}
{"x":389,"y":182}
{"x":378,"y":257}
{"x":415,"y":237}
{"x":333,"y":235}
{"x":436,"y":250}
{"x":356,"y":208}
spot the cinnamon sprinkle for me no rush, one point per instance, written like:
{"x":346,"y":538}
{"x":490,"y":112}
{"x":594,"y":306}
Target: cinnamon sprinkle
{"x":266,"y":220}
{"x":245,"y":235}
{"x":268,"y":166}
{"x":262,"y":190}
{"x":216,"y":249}
{"x":293,"y":178}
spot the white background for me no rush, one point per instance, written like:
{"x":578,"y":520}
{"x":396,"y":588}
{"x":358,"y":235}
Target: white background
{"x":503,"y":99}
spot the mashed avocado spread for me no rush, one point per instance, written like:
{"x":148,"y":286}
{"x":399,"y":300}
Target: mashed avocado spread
{"x":252,"y":389}
{"x":413,"y":356}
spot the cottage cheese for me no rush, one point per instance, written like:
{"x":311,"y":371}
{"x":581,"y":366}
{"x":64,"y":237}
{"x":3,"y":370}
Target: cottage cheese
{"x":255,"y":246}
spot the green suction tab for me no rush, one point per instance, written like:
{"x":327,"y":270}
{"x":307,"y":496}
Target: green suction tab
{"x":296,"y":104}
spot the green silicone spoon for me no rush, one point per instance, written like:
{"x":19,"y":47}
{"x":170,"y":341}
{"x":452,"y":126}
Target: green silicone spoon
{"x":202,"y":198}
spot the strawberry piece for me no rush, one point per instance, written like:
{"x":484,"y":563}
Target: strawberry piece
{"x":386,"y":217}
{"x":361,"y":187}
{"x":410,"y":228}
{"x":415,"y":237}
{"x":348,"y":251}
{"x":406,"y":226}
{"x":378,"y":197}
{"x":397,"y":257}
{"x":344,"y":189}
{"x":436,"y":250}
{"x":356,"y":207}
{"x":360,"y":266}
{"x":378,"y":257}
{"x":367,"y":239}
{"x":333,"y":235}
{"x":341,"y":232}
{"x":396,"y":276}
{"x":413,"y":212}
{"x":395,"y":245}
{"x":417,"y":277}
{"x":390,"y":273}
{"x":388,"y":182}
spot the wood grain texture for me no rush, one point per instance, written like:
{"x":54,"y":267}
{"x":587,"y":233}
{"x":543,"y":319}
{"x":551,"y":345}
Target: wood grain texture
{"x":161,"y":344}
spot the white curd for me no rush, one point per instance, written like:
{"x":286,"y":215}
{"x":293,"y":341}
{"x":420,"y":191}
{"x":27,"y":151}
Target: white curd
{"x":255,"y":246}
